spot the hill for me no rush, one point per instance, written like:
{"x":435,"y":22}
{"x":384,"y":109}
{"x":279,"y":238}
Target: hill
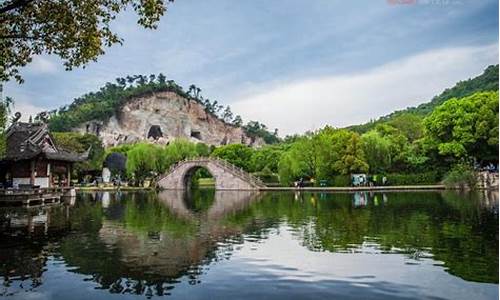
{"x":141,"y":107}
{"x":487,"y":81}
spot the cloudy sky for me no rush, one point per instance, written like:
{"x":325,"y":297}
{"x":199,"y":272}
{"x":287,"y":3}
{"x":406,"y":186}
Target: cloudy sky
{"x":295,"y":65}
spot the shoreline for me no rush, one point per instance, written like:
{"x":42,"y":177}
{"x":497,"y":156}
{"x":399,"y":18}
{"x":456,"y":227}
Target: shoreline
{"x":284,"y":188}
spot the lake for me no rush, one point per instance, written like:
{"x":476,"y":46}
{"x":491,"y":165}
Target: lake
{"x":246,"y":245}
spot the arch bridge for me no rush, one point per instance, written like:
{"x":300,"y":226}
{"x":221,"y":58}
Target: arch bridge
{"x":226,"y":175}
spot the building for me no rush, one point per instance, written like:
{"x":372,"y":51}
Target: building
{"x":33,"y":159}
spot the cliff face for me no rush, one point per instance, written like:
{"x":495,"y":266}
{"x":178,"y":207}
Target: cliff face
{"x":163,"y":116}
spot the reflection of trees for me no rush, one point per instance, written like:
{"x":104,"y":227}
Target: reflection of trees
{"x":460,"y":232}
{"x":142,"y":247}
{"x":144,"y":243}
{"x":24,"y":236}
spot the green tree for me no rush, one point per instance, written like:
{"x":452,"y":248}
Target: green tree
{"x":79,"y":143}
{"x":465,"y":127}
{"x":236,"y":154}
{"x":78,"y":33}
{"x":353,"y":157}
{"x":178,"y":150}
{"x":266,"y":157}
{"x":143,"y":161}
{"x":377,"y":151}
{"x":411,"y":125}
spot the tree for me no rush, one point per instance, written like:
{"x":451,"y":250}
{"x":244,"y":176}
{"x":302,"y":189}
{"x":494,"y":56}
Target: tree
{"x":254,"y":129}
{"x":142,"y":161}
{"x":79,"y":143}
{"x":300,"y":160}
{"x":178,"y":150}
{"x":236,"y":154}
{"x":77,"y":31}
{"x":227,"y":115}
{"x":352,"y":160}
{"x":162,"y":79}
{"x":266,"y":157}
{"x":465,"y":127}
{"x":411,"y":125}
{"x":237,"y":121}
{"x":377,"y":151}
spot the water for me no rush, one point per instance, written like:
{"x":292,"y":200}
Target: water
{"x":224,"y":245}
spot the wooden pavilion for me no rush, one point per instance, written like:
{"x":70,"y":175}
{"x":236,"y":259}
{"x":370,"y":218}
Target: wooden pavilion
{"x":33,"y":160}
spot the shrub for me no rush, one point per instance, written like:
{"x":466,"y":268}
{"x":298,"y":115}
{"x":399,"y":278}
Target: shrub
{"x":267,"y":176}
{"x":461,"y":175}
{"x":341,"y":180}
{"x":413,"y":179}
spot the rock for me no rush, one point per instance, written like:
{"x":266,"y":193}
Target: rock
{"x":169,"y":114}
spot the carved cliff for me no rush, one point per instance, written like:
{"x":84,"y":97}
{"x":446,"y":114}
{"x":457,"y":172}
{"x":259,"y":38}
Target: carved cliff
{"x":162,"y":116}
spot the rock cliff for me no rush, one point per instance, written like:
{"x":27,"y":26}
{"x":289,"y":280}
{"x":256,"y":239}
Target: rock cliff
{"x":162,"y":116}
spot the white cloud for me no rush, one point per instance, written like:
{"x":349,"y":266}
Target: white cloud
{"x":42,"y":65}
{"x":312,"y":103}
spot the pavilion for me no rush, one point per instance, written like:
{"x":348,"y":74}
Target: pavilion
{"x":32,"y":159}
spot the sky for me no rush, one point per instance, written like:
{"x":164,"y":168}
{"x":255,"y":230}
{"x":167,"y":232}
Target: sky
{"x":293,"y":65}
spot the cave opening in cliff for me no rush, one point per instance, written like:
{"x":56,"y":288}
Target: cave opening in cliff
{"x":196,"y":134}
{"x":155,"y":132}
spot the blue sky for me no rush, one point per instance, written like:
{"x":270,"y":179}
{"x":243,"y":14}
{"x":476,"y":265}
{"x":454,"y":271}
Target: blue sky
{"x":294,"y":65}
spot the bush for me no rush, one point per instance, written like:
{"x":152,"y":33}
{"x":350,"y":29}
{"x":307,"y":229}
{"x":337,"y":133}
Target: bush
{"x":462,"y":175}
{"x":341,"y":180}
{"x":413,"y":179}
{"x":267,"y":176}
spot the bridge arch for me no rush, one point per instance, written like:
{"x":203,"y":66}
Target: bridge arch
{"x":187,"y":177}
{"x":226,"y":175}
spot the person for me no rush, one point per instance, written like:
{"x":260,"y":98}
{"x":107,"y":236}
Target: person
{"x":301,"y":182}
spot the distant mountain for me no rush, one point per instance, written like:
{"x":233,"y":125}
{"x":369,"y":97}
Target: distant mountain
{"x":488,"y":81}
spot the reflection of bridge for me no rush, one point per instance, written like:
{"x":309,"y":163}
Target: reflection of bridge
{"x":226,"y":175}
{"x":225,"y":202}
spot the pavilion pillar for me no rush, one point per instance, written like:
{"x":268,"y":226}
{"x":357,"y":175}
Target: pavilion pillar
{"x":69,"y":175}
{"x":32,"y":172}
{"x":49,"y":174}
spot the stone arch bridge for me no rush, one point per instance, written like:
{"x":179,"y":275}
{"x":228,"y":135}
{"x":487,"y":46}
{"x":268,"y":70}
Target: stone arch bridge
{"x":226,"y":175}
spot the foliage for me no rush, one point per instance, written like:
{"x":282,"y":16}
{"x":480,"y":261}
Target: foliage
{"x":341,"y":180}
{"x":143,"y":160}
{"x":267,"y":176}
{"x":488,"y":81}
{"x":377,"y":151}
{"x":462,"y":175}
{"x":236,"y":154}
{"x":146,"y":160}
{"x":413,"y":178}
{"x":266,"y":157}
{"x":323,"y":154}
{"x":109,"y":99}
{"x":255,"y":129}
{"x":79,"y":143}
{"x":78,"y":33}
{"x":465,"y":127}
{"x":181,"y":149}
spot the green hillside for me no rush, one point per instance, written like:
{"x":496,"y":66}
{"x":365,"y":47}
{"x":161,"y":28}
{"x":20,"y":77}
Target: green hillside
{"x":488,"y":81}
{"x":102,"y":104}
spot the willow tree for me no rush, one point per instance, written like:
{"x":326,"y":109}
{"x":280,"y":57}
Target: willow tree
{"x":142,"y":161}
{"x":78,"y":31}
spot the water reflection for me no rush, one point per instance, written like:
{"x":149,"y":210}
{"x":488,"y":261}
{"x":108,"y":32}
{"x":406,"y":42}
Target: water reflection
{"x":150,"y":244}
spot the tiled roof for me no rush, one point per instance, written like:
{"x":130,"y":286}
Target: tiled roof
{"x":27,"y":140}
